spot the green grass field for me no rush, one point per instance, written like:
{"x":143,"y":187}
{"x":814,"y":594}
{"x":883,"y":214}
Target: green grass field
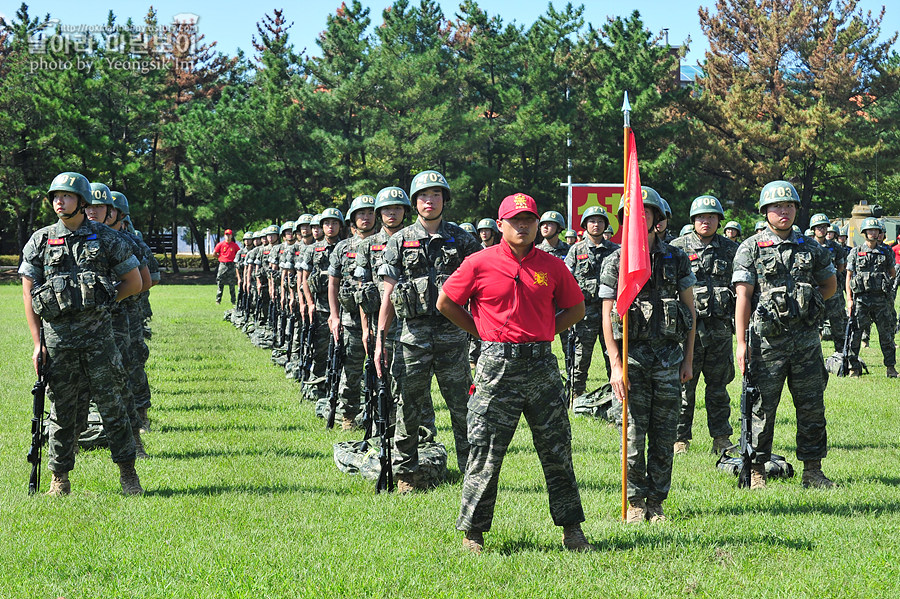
{"x":244,"y":500}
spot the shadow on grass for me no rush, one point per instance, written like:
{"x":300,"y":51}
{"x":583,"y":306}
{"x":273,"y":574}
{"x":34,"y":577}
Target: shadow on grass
{"x":199,"y":428}
{"x":230,"y":453}
{"x":247,"y":489}
{"x":785,"y":509}
{"x":219,"y":407}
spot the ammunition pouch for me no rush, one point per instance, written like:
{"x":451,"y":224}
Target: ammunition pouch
{"x":717,"y":302}
{"x":411,"y":298}
{"x":590,"y":289}
{"x":318,"y":282}
{"x":347,"y":297}
{"x":863,"y":282}
{"x":61,"y":295}
{"x":368,"y":297}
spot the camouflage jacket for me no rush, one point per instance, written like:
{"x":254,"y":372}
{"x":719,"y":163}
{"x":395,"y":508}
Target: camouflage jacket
{"x":585,"y":261}
{"x":560,"y":251}
{"x":713,"y":297}
{"x":74,"y":275}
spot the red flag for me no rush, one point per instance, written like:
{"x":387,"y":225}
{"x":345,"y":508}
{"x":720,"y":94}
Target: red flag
{"x":634,"y":265}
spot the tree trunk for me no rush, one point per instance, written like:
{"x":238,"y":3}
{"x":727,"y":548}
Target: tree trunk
{"x":195,"y":233}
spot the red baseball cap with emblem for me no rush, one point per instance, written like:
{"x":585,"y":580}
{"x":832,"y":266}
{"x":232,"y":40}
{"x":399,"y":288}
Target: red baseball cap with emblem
{"x":515,"y":204}
{"x":229,"y":232}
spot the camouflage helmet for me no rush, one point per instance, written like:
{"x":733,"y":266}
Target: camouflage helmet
{"x":469,"y":228}
{"x":304,"y":219}
{"x":706,"y":204}
{"x":272,"y":230}
{"x":733,"y":224}
{"x":100,"y":195}
{"x":835,"y":229}
{"x":247,"y":235}
{"x":552,"y":216}
{"x":316,"y":221}
{"x":427,"y":179}
{"x":359,"y":203}
{"x":796,"y":229}
{"x":845,"y":231}
{"x":809,"y":233}
{"x":120,"y":202}
{"x":650,"y":197}
{"x":287,"y":226}
{"x":870,"y":223}
{"x":775,"y":192}
{"x":667,"y":210}
{"x":392,"y":196}
{"x":883,"y":225}
{"x":488,"y":223}
{"x":571,"y":233}
{"x":73,"y":182}
{"x":595,"y":211}
{"x":685,"y":230}
{"x":760,"y":225}
{"x":818,"y":219}
{"x":331,"y":213}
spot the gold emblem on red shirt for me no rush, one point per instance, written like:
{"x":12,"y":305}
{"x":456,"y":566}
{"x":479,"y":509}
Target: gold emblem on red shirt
{"x":541,"y":278}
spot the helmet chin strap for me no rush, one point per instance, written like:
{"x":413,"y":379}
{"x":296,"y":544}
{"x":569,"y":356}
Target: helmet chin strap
{"x":438,"y":217}
{"x":68,"y":215}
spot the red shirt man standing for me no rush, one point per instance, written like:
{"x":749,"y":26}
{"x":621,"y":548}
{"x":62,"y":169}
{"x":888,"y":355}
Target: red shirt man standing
{"x":513,"y":291}
{"x":225,"y":251}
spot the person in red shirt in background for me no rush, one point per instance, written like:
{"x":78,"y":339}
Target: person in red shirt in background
{"x":225,"y":251}
{"x":514,"y":291}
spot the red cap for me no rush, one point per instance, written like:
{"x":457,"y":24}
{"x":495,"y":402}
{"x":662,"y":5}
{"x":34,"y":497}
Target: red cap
{"x":229,"y":232}
{"x":516,"y":203}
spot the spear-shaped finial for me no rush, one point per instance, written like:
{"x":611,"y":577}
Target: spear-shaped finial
{"x":626,"y":110}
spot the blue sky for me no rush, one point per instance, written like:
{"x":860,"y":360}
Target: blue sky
{"x":232,"y":24}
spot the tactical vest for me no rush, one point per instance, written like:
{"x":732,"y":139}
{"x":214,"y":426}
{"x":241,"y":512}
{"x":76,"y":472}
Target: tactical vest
{"x":560,"y":251}
{"x":369,"y":259}
{"x":657,"y":312}
{"x":347,"y":290}
{"x":711,"y":264}
{"x":788,"y":294}
{"x":588,"y":264}
{"x":318,"y":273}
{"x":425,"y":265}
{"x":262,"y":263}
{"x":72,"y":276}
{"x":871,"y":272}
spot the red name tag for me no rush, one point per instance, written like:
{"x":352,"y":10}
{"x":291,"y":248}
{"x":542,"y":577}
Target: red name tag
{"x":858,"y":253}
{"x":351,"y":254}
{"x":266,"y":253}
{"x":377,"y":248}
{"x":412,"y":244}
{"x":56,"y":241}
{"x":693,"y":257}
{"x":581,"y":256}
{"x":765,"y":244}
{"x":321,"y":249}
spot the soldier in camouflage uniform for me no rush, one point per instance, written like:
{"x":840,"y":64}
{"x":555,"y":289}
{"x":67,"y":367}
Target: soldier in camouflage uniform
{"x":870,"y":288}
{"x":552,"y":224}
{"x":835,"y":323}
{"x":585,"y":261}
{"x":344,"y":318}
{"x":391,"y":208}
{"x":140,"y":353}
{"x":263,"y":333}
{"x":69,"y":270}
{"x":517,"y":374}
{"x":660,"y":352}
{"x":102,"y":210}
{"x":733,"y":231}
{"x":710,"y":256}
{"x":417,"y":261}
{"x":789,"y":277}
{"x":572,"y":237}
{"x":488,"y":233}
{"x":240,"y":259}
{"x":315,"y":287}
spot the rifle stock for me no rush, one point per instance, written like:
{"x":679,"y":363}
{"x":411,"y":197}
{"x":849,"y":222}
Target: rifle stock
{"x":386,"y":477}
{"x":749,"y":396}
{"x":38,"y":392}
{"x":851,"y":330}
{"x":333,"y":377}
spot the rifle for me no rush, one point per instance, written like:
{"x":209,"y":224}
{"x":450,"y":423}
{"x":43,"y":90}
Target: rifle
{"x":37,"y":420}
{"x":333,"y":376}
{"x":370,"y":381}
{"x":570,"y":366}
{"x":852,"y":329}
{"x":749,"y":396}
{"x":291,"y":323}
{"x":386,"y":478}
{"x":309,"y":346}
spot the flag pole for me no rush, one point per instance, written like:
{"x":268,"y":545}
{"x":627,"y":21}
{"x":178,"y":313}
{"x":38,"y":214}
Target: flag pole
{"x":626,"y":111}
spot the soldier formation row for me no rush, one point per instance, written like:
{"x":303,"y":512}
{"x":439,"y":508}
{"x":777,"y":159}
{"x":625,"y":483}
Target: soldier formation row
{"x":85,"y":284}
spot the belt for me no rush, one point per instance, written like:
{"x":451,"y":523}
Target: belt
{"x":537,"y":349}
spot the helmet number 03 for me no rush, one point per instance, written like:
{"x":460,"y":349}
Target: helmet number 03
{"x":778,"y":191}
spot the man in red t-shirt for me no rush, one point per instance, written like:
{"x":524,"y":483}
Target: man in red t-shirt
{"x":225,"y":251}
{"x":514,"y":291}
